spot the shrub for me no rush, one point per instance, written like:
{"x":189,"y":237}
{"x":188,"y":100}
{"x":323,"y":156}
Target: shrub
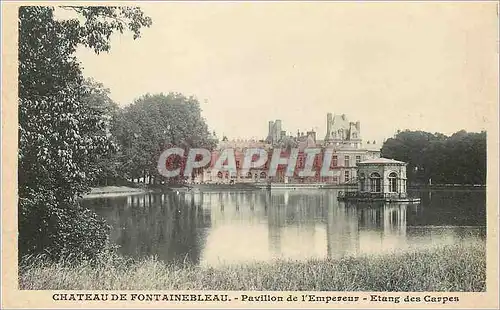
{"x":60,"y":231}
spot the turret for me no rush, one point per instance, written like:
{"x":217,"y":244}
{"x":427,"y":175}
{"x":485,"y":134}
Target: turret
{"x":329,"y":117}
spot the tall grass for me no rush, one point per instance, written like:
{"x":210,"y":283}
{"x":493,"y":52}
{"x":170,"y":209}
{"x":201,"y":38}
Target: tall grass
{"x":451,"y":268}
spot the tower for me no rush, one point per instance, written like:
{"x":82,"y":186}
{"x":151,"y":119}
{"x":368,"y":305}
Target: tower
{"x":270,"y":135}
{"x":277,"y":130}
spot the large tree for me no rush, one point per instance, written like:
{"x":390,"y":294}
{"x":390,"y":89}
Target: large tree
{"x":62,"y":132}
{"x":456,"y":159}
{"x":155,"y":122}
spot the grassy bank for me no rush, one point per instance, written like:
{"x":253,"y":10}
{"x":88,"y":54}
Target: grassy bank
{"x":453,"y":268}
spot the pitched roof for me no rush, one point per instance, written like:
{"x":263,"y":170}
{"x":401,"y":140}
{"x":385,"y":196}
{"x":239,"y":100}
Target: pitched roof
{"x":382,"y":160}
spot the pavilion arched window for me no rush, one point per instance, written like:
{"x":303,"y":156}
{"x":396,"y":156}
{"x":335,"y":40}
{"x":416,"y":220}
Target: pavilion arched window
{"x":393,"y":182}
{"x":375,"y":183}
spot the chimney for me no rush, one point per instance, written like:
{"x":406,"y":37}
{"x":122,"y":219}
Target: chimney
{"x":312,"y":134}
{"x":328,"y":124}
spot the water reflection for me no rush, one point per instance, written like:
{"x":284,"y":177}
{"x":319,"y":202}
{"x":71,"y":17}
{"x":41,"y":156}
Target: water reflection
{"x":210,"y":228}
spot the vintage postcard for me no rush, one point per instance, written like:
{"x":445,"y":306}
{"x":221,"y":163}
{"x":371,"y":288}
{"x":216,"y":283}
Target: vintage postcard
{"x":239,"y":154}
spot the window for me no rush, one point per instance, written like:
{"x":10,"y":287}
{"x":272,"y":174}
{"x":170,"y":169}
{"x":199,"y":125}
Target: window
{"x":249,"y":175}
{"x":346,"y":161}
{"x":334,"y":161}
{"x":346,"y":176}
{"x":219,"y":175}
{"x":393,"y":182}
{"x":237,"y":164}
{"x":301,"y":162}
{"x":375,"y":183}
{"x":358,"y":159}
{"x":362,"y":182}
{"x":263,"y":175}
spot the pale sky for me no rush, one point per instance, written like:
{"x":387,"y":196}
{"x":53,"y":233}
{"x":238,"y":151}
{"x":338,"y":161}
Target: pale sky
{"x":426,"y":66}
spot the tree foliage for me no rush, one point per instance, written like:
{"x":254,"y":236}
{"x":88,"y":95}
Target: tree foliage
{"x":456,"y":159}
{"x":153,"y":123}
{"x":63,"y":127}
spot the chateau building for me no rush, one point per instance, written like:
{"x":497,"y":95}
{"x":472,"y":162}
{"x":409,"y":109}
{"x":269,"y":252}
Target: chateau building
{"x":275,"y":132}
{"x":343,"y":138}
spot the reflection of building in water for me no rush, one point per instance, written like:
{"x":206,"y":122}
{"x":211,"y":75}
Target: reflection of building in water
{"x":395,"y":219}
{"x":342,"y":229}
{"x":276,"y":219}
{"x":295,"y":225}
{"x":263,"y":225}
{"x":365,"y":228}
{"x":230,"y":207}
{"x":238,"y":231}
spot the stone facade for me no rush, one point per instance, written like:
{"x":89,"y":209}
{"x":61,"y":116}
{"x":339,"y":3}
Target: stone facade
{"x":343,"y":136}
{"x":340,"y":131}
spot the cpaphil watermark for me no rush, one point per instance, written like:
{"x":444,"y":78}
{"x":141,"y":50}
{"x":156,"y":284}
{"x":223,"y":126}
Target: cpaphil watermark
{"x":175,"y":162}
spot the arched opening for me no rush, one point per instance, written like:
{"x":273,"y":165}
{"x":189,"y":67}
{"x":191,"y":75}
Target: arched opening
{"x":393,"y":182}
{"x":375,"y":182}
{"x":249,"y":175}
{"x":262,"y":175}
{"x":219,"y":175}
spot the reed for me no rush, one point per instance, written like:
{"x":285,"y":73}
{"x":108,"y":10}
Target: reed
{"x":451,"y":268}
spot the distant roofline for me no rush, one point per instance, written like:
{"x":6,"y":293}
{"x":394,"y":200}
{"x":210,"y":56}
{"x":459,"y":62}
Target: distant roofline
{"x":382,"y":161}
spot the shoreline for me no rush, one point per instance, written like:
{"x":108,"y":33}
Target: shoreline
{"x":117,"y":191}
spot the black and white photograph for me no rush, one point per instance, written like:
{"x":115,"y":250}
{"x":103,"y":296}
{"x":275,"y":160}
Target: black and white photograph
{"x":259,"y":154}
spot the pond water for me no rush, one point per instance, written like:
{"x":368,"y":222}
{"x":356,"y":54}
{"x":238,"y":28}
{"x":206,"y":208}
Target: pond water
{"x":209,"y":228}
